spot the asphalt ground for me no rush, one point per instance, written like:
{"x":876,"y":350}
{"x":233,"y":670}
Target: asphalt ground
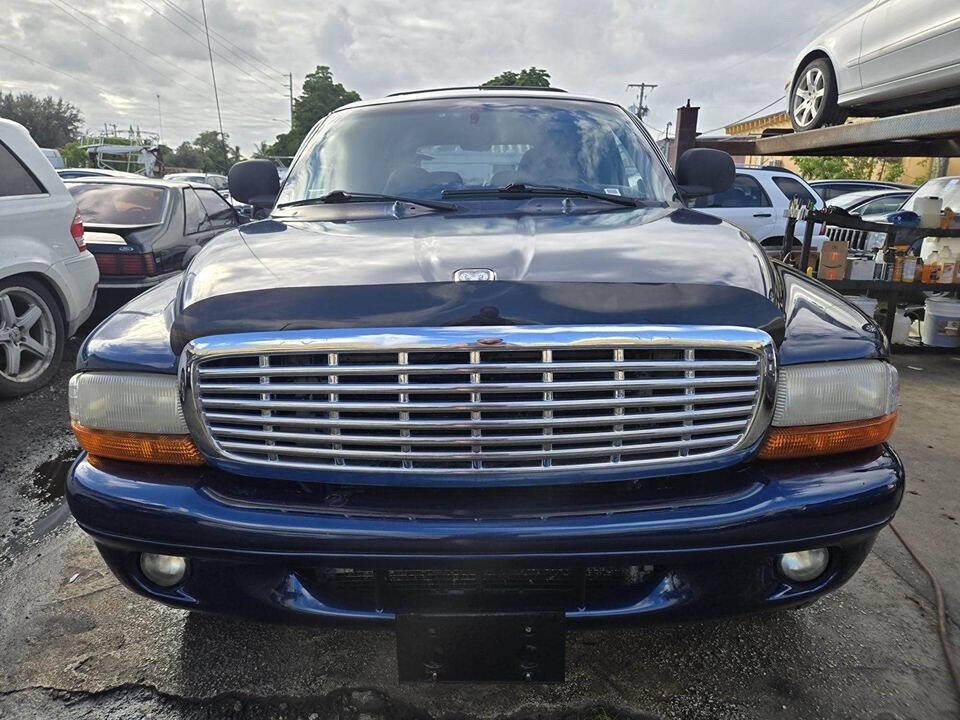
{"x":75,"y":644}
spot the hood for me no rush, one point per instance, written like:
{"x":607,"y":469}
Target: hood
{"x":658,"y":266}
{"x":663,"y":245}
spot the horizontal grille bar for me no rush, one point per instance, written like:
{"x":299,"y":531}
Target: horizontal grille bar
{"x":491,"y":367}
{"x":504,"y":424}
{"x":655,"y":400}
{"x":279,"y":436}
{"x":480,"y":387}
{"x":470,"y":401}
{"x":496,"y":455}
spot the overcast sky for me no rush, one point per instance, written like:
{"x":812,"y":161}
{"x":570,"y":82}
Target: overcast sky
{"x":731,"y":57}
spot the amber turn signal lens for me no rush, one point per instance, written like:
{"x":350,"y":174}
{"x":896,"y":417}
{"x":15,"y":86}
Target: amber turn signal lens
{"x":810,"y":440}
{"x":138,"y":447}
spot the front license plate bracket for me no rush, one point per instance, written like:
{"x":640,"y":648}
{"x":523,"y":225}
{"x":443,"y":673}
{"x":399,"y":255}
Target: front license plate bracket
{"x":481,"y":647}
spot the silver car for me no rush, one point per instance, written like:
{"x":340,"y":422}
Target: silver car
{"x":888,"y":56}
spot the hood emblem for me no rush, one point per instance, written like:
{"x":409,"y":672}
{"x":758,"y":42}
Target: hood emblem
{"x":474,"y":275}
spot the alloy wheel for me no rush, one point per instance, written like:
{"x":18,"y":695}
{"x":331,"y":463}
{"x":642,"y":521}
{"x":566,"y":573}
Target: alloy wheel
{"x":808,"y":96}
{"x":27,"y":335}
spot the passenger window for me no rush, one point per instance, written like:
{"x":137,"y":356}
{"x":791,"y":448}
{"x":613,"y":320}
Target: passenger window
{"x":218,"y":210}
{"x":195,"y":217}
{"x":15,"y":179}
{"x":744,"y":193}
{"x":881,"y":205}
{"x":793,"y":188}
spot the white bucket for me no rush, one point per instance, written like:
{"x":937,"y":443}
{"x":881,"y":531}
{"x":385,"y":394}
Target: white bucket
{"x":868,"y":305}
{"x":941,"y":323}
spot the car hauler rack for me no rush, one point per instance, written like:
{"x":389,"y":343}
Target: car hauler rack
{"x":926,"y":133}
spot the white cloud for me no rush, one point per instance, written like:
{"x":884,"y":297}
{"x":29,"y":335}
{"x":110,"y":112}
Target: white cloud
{"x":729,"y":56}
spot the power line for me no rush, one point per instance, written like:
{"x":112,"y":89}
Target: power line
{"x":224,"y":40}
{"x":72,"y":77}
{"x":216,"y":97}
{"x":57,"y":5}
{"x":111,"y":42}
{"x":202,"y":43}
{"x":745,"y":117}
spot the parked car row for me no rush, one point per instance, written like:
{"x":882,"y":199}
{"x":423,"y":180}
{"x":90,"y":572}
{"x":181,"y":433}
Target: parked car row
{"x":73,"y":235}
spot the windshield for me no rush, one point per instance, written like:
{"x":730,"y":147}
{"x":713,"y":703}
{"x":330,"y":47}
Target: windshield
{"x":420,"y":149}
{"x":945,"y":188}
{"x":115,"y":204}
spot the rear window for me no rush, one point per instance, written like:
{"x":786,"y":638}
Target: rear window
{"x":945,"y":188}
{"x":114,"y":204}
{"x":793,"y":188}
{"x":15,"y":179}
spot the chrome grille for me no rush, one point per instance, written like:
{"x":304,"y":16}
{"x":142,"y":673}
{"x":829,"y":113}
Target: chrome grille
{"x":855,"y":238}
{"x":477,"y":400}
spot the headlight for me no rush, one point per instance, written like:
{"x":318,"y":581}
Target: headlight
{"x":131,"y":416}
{"x":830,"y":408}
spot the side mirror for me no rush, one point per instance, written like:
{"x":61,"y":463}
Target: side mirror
{"x":701,"y":171}
{"x":254,"y":182}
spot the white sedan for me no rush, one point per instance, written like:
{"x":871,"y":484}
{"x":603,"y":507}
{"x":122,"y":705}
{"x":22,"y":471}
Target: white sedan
{"x":887,"y":57}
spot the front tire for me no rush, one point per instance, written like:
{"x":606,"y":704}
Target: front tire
{"x":813,"y":97}
{"x":32,"y":336}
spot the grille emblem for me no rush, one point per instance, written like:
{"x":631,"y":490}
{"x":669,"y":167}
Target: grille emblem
{"x":474,"y":275}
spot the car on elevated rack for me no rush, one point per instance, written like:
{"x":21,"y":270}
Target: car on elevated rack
{"x":48,"y":279}
{"x":480,"y":375}
{"x":142,"y":231}
{"x":884,"y":58}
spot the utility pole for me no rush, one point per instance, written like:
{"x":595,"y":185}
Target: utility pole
{"x":290,"y":87}
{"x":213,"y":74}
{"x":160,"y":119}
{"x":642,"y":110}
{"x":666,"y":137}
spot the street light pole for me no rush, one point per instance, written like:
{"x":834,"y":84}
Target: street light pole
{"x":213,"y":74}
{"x":160,"y":119}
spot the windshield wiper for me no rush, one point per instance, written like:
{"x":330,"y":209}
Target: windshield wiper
{"x":340,"y":196}
{"x":552,"y":190}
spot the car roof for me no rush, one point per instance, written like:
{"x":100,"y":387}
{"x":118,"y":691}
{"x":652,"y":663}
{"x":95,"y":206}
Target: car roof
{"x":748,"y":170}
{"x":851,"y":199}
{"x":144,"y":181}
{"x":475,"y":92}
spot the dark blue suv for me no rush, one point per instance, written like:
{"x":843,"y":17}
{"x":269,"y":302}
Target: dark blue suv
{"x":482,"y":374}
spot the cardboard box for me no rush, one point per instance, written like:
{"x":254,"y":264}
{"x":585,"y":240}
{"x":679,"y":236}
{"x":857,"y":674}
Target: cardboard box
{"x":833,"y":260}
{"x":861,"y":269}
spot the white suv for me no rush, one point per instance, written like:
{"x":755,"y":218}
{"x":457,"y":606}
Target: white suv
{"x":48,"y":280}
{"x":756,"y":201}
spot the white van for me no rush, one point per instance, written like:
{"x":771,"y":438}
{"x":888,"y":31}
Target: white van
{"x":48,"y":280}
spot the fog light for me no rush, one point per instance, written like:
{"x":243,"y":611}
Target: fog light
{"x":163,"y":570}
{"x":804,"y":565}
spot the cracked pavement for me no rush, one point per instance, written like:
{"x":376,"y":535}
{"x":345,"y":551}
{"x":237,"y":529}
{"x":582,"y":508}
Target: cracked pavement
{"x":74,"y":643}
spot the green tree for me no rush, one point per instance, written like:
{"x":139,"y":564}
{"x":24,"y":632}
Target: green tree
{"x":73,"y":155}
{"x":206,"y":153}
{"x":320,"y":96}
{"x":850,"y":168}
{"x":51,"y":122}
{"x":531,"y":77}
